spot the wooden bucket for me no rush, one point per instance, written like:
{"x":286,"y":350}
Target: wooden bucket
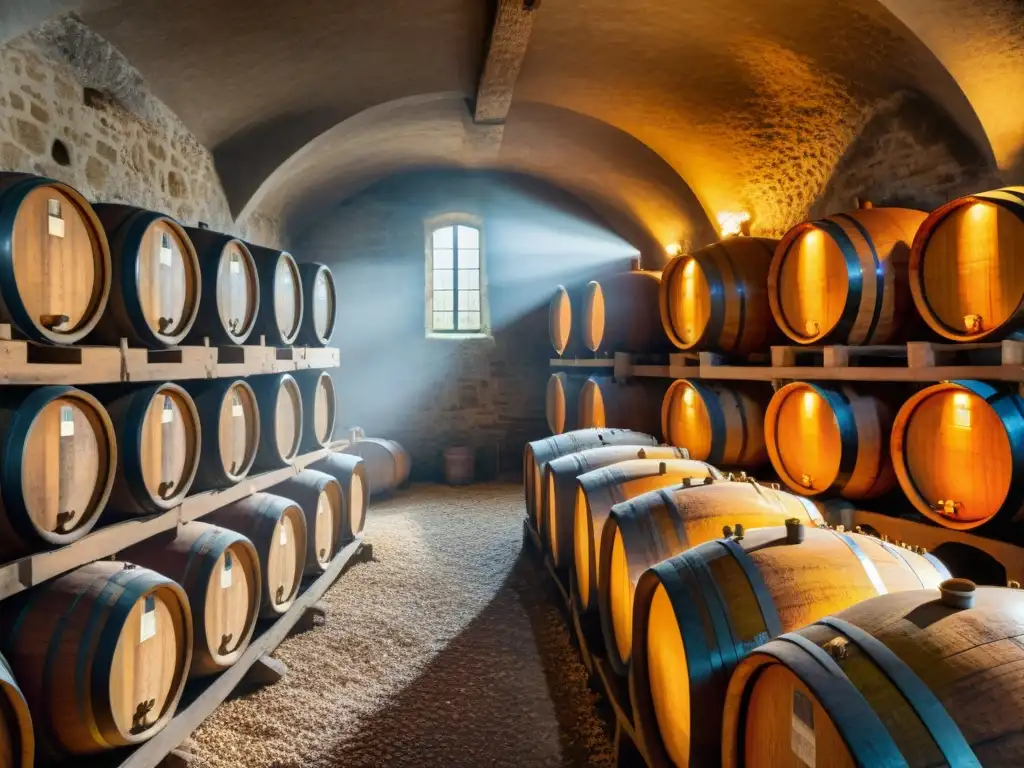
{"x":633,"y":405}
{"x":964,"y":267}
{"x":716,"y":298}
{"x":350,"y":472}
{"x":277,"y":528}
{"x":844,"y":279}
{"x":281,"y":296}
{"x":54,"y":260}
{"x":58,"y":458}
{"x":772,"y":580}
{"x":387,"y":463}
{"x":230,"y":301}
{"x":228,"y":409}
{"x":723,"y":425}
{"x":319,"y":408}
{"x":220,"y":572}
{"x":913,"y":678}
{"x":154,"y":299}
{"x":280,"y":408}
{"x":102,"y":655}
{"x":620,"y":314}
{"x":830,"y":440}
{"x":17,"y":740}
{"x":321,"y":499}
{"x":320,"y":302}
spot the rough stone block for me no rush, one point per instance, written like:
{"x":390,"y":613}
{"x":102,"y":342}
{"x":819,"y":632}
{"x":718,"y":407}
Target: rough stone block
{"x":30,"y":136}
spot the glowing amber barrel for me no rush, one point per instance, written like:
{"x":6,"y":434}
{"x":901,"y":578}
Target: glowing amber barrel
{"x":632,"y":405}
{"x":620,"y":314}
{"x":843,"y":279}
{"x":830,"y":439}
{"x":715,"y":423}
{"x":771,"y":581}
{"x":901,"y":692}
{"x":958,"y":451}
{"x":967,"y":266}
{"x":562,"y":399}
{"x":565,"y":329}
{"x":17,"y":740}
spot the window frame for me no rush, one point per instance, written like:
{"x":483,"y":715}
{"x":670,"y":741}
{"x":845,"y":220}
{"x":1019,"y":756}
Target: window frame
{"x":431,"y":225}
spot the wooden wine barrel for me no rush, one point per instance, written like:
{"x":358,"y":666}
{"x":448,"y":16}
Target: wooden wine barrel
{"x":230,"y":300}
{"x":277,"y":528}
{"x":220,"y":572}
{"x":964,"y":272}
{"x":620,"y":314}
{"x":904,"y":691}
{"x":958,"y":451}
{"x":280,"y":407}
{"x":387,"y":463}
{"x":158,"y":446}
{"x":54,"y":260}
{"x":716,"y":298}
{"x":17,"y":740}
{"x":350,"y":472}
{"x":320,"y":497}
{"x":844,"y":279}
{"x":537,"y":454}
{"x":231,"y":433}
{"x":723,"y":425}
{"x":562,"y":401}
{"x":320,"y":303}
{"x":58,"y":457}
{"x":830,"y":440}
{"x":771,"y":581}
{"x":319,"y":408}
{"x":281,"y":296}
{"x":650,"y":527}
{"x":102,"y":655}
{"x":560,"y":320}
{"x":156,"y":283}
{"x":632,"y":405}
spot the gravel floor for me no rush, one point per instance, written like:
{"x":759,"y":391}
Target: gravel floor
{"x":448,"y":649}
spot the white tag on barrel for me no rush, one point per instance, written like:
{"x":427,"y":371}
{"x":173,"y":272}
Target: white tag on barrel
{"x":802,"y":736}
{"x":147,"y":628}
{"x":67,"y":421}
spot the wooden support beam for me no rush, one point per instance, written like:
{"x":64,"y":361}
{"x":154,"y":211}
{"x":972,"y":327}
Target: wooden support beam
{"x":513,"y":24}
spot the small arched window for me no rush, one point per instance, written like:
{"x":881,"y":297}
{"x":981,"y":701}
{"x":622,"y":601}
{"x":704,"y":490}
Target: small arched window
{"x":456,"y":300}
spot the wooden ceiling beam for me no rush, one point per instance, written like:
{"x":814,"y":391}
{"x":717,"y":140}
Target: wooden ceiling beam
{"x":513,"y":24}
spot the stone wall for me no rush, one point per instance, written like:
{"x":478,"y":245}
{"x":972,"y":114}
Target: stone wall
{"x":431,"y":393}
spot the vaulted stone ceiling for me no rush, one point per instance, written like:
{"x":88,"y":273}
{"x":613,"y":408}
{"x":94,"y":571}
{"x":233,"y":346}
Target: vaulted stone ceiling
{"x":664,"y":113}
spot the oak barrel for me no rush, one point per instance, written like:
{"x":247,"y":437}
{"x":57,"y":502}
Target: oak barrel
{"x":320,"y":305}
{"x":620,"y":313}
{"x":156,"y":281}
{"x":537,"y":454}
{"x":158,"y":446}
{"x":770,"y":581}
{"x":58,"y":458}
{"x":220,"y":572}
{"x":642,"y":531}
{"x":958,"y":451}
{"x":231,"y":417}
{"x":350,"y":472}
{"x":632,"y":405}
{"x":277,"y":528}
{"x":723,"y":425}
{"x":844,"y":279}
{"x":562,"y":402}
{"x":965,"y":272}
{"x":102,"y":655}
{"x":319,"y":408}
{"x":918,"y":678}
{"x":281,"y":296}
{"x":387,"y":463}
{"x":830,"y":440}
{"x":54,"y":260}
{"x":280,"y":408}
{"x":565,"y":328}
{"x":230,"y":300}
{"x":716,"y":298}
{"x":321,"y":499}
{"x":17,"y":740}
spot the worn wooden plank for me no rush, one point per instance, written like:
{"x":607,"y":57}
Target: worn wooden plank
{"x":510,"y":37}
{"x":562,"y":362}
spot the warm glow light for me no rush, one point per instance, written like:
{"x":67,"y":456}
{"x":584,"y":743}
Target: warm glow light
{"x":961,"y":399}
{"x":962,"y":410}
{"x":731,"y":222}
{"x":809,"y":402}
{"x":978,"y":211}
{"x":688,"y":397}
{"x":673,"y":249}
{"x":691,"y":265}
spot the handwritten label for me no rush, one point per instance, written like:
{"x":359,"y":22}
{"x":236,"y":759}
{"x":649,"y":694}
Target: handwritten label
{"x":147,"y":627}
{"x":802,"y":736}
{"x":67,"y":421}
{"x":225,"y":574}
{"x":168,"y":415}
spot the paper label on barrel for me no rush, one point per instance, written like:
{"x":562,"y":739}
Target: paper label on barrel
{"x":147,"y":627}
{"x":283,"y":539}
{"x":802,"y":737}
{"x":236,"y":265}
{"x":55,"y":226}
{"x":168,"y":414}
{"x":225,"y":574}
{"x":67,"y":421}
{"x":236,"y":406}
{"x":166,"y":256}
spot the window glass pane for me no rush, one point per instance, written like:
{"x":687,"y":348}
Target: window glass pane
{"x":469,"y":321}
{"x":443,"y":301}
{"x":469,"y":259}
{"x":444,"y":321}
{"x":444,"y":258}
{"x":444,"y":279}
{"x":469,"y":237}
{"x":468,"y":300}
{"x":444,"y":237}
{"x":469,"y":279}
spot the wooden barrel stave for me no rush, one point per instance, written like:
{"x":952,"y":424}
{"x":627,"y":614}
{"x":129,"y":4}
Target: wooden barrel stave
{"x":756,"y":587}
{"x":560,"y":325}
{"x":55,"y":268}
{"x":281,"y":417}
{"x":633,"y":405}
{"x":830,"y":440}
{"x":716,"y":298}
{"x":721,"y":425}
{"x":229,"y":450}
{"x":320,"y":497}
{"x":561,"y":402}
{"x":17,"y":739}
{"x":319,"y":408}
{"x":844,"y":279}
{"x":320,"y":303}
{"x":230,"y":291}
{"x":350,"y":472}
{"x":387,"y":463}
{"x":620,"y":313}
{"x":281,"y":296}
{"x":277,"y":528}
{"x":220,"y":572}
{"x":107,"y":619}
{"x":156,"y":281}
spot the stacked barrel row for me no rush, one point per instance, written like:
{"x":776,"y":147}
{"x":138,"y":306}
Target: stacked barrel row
{"x":73,"y":272}
{"x":748,"y":632}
